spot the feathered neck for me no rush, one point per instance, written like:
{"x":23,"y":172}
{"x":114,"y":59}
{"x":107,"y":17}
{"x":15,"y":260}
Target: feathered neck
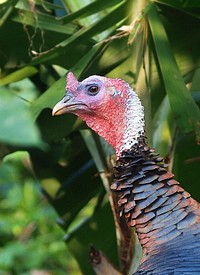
{"x":119,"y":118}
{"x":134,"y":124}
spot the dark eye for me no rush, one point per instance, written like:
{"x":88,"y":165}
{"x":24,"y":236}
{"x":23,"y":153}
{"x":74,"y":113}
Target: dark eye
{"x":93,"y":90}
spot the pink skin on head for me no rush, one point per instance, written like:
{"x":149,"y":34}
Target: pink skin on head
{"x":114,"y":112}
{"x":72,"y":82}
{"x":102,"y":114}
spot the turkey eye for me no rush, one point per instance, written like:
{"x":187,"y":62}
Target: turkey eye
{"x":93,"y":90}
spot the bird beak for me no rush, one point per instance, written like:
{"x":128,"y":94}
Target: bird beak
{"x":69,"y":104}
{"x":66,"y":105}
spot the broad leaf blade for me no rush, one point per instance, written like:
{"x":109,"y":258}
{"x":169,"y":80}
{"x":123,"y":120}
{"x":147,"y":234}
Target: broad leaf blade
{"x":44,"y":22}
{"x":180,"y":99}
{"x":90,"y":9}
{"x":18,"y":75}
{"x":163,"y":132}
{"x":16,"y":124}
{"x":184,"y":5}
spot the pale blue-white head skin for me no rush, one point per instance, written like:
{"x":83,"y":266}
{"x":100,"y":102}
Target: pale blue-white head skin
{"x":109,"y":106}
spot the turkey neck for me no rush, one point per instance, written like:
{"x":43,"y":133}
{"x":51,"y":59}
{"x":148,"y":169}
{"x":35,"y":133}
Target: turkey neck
{"x":150,"y":198}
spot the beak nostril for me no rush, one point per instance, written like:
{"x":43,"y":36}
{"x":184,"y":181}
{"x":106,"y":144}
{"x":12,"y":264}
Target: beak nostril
{"x":66,"y":98}
{"x":61,"y":105}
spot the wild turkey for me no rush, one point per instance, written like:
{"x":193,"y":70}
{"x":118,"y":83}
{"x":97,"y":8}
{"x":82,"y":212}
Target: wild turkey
{"x":166,"y":218}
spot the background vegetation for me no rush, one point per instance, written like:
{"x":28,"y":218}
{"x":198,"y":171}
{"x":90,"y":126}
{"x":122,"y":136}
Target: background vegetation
{"x":55,"y":173}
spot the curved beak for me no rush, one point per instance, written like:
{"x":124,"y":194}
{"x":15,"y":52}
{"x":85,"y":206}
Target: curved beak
{"x":69,"y":104}
{"x":63,"y":105}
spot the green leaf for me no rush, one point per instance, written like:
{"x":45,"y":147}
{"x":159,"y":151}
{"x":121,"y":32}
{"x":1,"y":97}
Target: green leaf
{"x":98,"y":231}
{"x":69,"y":184}
{"x":85,"y":34}
{"x":195,"y":85}
{"x":16,"y":124}
{"x":97,"y":155}
{"x":44,"y":22}
{"x":50,"y":97}
{"x":54,"y":128}
{"x":180,"y":99}
{"x":163,"y":124}
{"x":186,"y":164}
{"x":90,"y":9}
{"x":18,"y":75}
{"x":183,"y":4}
{"x":6,"y":9}
{"x":8,"y":176}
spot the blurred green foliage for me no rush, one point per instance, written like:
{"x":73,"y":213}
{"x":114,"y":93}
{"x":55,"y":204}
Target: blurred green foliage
{"x":30,"y":238}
